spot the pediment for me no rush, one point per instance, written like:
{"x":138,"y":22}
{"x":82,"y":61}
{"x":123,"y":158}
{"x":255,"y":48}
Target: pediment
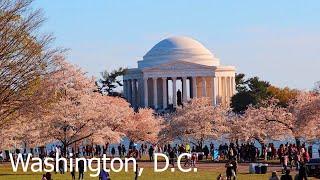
{"x":178,"y":65}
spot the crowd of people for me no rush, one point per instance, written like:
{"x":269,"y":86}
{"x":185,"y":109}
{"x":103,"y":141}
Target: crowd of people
{"x":289,"y":155}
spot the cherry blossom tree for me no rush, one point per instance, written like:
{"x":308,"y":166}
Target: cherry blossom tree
{"x":78,"y":113}
{"x":144,"y":126}
{"x":81,"y":113}
{"x":244,"y":128}
{"x":75,"y":111}
{"x":257,"y":124}
{"x":196,"y":122}
{"x":291,"y":117}
{"x":17,"y":134}
{"x":21,"y":129}
{"x":270,"y":121}
{"x":309,"y":119}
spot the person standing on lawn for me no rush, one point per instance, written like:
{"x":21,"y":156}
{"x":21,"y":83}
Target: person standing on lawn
{"x":206,"y":151}
{"x":124,"y":151}
{"x":229,"y":171}
{"x":119,"y":150}
{"x":113,"y":151}
{"x":104,"y":175}
{"x":188,"y":148}
{"x":172,"y":155}
{"x":274,"y":176}
{"x":81,"y":169}
{"x":286,"y":176}
{"x":151,"y":150}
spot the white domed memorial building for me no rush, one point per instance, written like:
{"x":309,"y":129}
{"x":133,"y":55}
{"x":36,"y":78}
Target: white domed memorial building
{"x":176,"y":70}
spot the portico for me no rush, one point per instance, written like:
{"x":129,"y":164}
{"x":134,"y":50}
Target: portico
{"x":178,"y":64}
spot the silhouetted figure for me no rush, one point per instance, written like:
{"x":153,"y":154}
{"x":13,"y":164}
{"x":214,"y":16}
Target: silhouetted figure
{"x":73,"y":175}
{"x":137,"y":172}
{"x":48,"y":176}
{"x":81,"y":169}
{"x":104,"y":175}
{"x":113,"y":151}
{"x":151,"y":150}
{"x":286,"y":176}
{"x":171,"y":157}
{"x":206,"y":151}
{"x":44,"y":177}
{"x":119,"y":150}
{"x":179,"y":98}
{"x":303,"y":174}
{"x":61,"y":167}
{"x":229,"y":171}
{"x":123,"y":150}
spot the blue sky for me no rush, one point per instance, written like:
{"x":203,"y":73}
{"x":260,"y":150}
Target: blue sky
{"x":278,"y":41}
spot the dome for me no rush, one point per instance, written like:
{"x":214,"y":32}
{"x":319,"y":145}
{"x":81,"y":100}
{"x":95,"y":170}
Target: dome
{"x":178,"y":49}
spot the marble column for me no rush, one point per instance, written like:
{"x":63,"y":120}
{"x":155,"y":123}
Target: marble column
{"x":213,"y":88}
{"x":145,"y":91}
{"x":134,"y":93}
{"x":139,"y":93}
{"x":194,"y":87}
{"x":155,"y":93}
{"x":204,"y":87}
{"x":227,"y":87}
{"x":230,"y":88}
{"x":129,"y":98}
{"x":216,"y":90}
{"x":184,"y":89}
{"x":224,"y":89}
{"x":219,"y":90}
{"x":164,"y":92}
{"x":125,"y":89}
{"x":174,"y":92}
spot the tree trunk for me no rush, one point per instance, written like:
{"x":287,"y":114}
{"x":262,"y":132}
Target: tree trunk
{"x":92,"y":149}
{"x":64,"y":150}
{"x":75,"y":149}
{"x":200,"y":144}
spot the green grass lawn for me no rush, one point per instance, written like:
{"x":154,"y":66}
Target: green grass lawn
{"x":206,"y":170}
{"x":148,"y":174}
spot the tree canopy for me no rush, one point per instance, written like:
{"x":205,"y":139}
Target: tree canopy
{"x":196,"y":122}
{"x":25,"y":57}
{"x":109,"y":81}
{"x":79,"y":113}
{"x":249,"y":92}
{"x":253,"y":92}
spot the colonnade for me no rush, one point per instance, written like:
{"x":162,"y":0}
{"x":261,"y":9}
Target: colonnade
{"x":153,"y":91}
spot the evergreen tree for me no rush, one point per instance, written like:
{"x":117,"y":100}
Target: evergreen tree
{"x":109,"y":81}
